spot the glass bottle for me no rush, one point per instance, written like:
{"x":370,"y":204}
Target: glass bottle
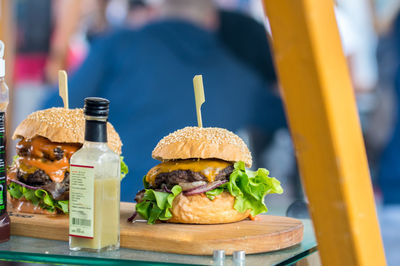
{"x":4,"y":218}
{"x":94,"y":185}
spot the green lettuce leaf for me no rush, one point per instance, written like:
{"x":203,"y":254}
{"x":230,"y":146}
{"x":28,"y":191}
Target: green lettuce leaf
{"x":38,"y":197}
{"x":250,"y":188}
{"x":157,"y":205}
{"x":124,"y":167}
{"x":42,"y":197}
{"x":215,"y":192}
{"x":63,"y":205}
{"x":145,"y":183}
{"x":15,"y":190}
{"x":29,"y":195}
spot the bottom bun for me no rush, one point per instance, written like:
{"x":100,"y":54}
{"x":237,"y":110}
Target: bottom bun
{"x":198,"y":209}
{"x":24,"y":206}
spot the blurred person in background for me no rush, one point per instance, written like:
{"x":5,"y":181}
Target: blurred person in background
{"x":77,"y":24}
{"x":46,"y":42}
{"x":32,"y":39}
{"x":359,"y":41}
{"x":233,"y":28}
{"x":147,"y":75}
{"x":356,"y":20}
{"x":140,"y":13}
{"x":355,"y":23}
{"x":384,"y":130}
{"x":33,"y":35}
{"x":247,"y":39}
{"x":389,"y":173}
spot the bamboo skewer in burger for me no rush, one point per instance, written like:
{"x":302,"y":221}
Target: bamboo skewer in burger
{"x":199,"y":97}
{"x":63,"y":87}
{"x":202,"y":178}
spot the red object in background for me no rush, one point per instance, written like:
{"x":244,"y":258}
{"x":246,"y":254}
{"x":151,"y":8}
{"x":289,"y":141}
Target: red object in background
{"x":29,"y":67}
{"x":76,"y":54}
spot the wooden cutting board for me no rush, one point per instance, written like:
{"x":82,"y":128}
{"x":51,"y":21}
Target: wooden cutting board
{"x":268,"y":233}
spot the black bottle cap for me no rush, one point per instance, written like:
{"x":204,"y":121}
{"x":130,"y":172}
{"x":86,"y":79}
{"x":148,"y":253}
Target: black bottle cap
{"x":95,"y":106}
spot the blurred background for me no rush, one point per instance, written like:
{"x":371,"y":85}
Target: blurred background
{"x":143,"y":54}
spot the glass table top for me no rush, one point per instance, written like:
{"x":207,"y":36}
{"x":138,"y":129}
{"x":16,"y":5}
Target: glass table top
{"x":52,"y":251}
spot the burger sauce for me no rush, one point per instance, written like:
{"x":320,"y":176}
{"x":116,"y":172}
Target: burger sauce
{"x":94,"y":186}
{"x":4,"y":218}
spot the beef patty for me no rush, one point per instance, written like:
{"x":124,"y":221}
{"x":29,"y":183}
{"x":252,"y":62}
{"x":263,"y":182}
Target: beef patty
{"x":59,"y":191}
{"x":173,"y":178}
{"x":56,"y":154}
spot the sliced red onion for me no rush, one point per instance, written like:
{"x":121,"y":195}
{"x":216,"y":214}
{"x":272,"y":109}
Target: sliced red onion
{"x":205,"y":188}
{"x":24,"y":185}
{"x":165,"y":188}
{"x":130,"y":219}
{"x":188,"y":186}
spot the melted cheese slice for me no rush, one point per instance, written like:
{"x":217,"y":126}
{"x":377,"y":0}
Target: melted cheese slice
{"x":208,"y":168}
{"x":38,"y":148}
{"x":54,"y":169}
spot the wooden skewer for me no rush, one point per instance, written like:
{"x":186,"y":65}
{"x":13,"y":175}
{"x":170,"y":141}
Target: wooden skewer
{"x":63,"y":87}
{"x":199,"y":96}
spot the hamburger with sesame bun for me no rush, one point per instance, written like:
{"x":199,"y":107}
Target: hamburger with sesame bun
{"x":202,"y":179}
{"x":38,"y":179}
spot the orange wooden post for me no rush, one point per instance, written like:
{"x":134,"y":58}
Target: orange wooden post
{"x":7,"y":30}
{"x":323,"y":119}
{"x":7,"y":36}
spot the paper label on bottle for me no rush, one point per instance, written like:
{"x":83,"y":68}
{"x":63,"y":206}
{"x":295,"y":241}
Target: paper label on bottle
{"x":81,"y":201}
{"x":3,"y":185}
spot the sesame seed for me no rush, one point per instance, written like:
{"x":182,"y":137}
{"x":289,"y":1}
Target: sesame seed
{"x":69,"y":121}
{"x":212,"y":135}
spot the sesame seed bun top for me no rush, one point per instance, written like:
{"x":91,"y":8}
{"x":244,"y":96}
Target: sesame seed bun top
{"x":202,"y":143}
{"x":61,"y":125}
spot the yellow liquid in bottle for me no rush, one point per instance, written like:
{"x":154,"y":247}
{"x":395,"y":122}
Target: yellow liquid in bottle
{"x":106,"y":218}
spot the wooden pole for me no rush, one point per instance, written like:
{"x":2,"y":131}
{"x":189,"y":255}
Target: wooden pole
{"x":324,"y":124}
